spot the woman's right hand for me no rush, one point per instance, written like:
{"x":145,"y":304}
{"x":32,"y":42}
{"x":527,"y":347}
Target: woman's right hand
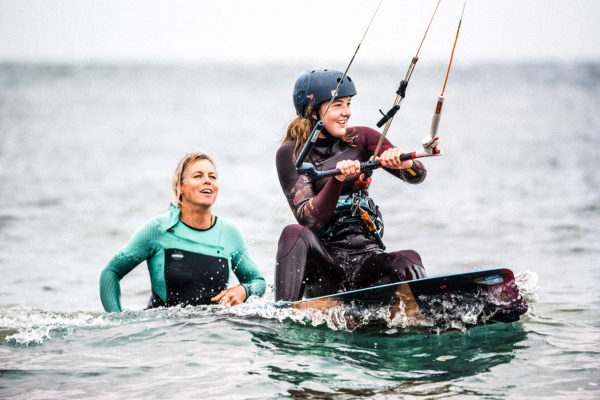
{"x":349,"y":169}
{"x":232,"y":296}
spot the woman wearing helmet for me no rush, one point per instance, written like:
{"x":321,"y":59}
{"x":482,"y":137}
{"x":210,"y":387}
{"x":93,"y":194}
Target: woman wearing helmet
{"x":331,"y":249}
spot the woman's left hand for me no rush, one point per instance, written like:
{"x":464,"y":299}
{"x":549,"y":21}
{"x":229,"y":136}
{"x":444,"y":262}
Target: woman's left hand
{"x":391,"y":159}
{"x":232,"y":296}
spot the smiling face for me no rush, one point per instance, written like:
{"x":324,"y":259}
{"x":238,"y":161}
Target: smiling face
{"x":200,"y":186}
{"x":336,"y":120}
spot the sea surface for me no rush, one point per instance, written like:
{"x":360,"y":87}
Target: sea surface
{"x":86,"y":155}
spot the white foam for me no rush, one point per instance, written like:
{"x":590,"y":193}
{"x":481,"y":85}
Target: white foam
{"x":527,"y":282}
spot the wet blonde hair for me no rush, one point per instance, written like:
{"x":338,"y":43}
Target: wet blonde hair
{"x":300,"y":128}
{"x":184,"y":163}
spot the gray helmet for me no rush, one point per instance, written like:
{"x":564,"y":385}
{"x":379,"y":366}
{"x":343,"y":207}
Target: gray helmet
{"x":317,"y":86}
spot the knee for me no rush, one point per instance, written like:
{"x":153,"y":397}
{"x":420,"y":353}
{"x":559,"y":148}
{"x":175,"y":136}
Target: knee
{"x":288,"y":239}
{"x":293,"y":230}
{"x":411,"y":265}
{"x":411,"y":256}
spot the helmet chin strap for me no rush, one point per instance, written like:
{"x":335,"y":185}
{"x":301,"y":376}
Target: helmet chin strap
{"x":324,"y":131}
{"x":328,"y":135}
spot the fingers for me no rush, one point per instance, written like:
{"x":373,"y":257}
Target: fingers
{"x":236,"y":295}
{"x":231,"y":300}
{"x":219,"y":296}
{"x":234,"y":301}
{"x":232,"y":296}
{"x":391,"y":159}
{"x":224,"y":298}
{"x":348,"y":168}
{"x":226,"y":301}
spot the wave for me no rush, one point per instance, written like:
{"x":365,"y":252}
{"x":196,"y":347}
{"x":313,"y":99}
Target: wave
{"x":25,"y":326}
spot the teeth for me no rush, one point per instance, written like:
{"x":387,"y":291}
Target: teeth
{"x":207,"y":191}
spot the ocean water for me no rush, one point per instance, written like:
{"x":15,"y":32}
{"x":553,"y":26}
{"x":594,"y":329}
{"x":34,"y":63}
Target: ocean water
{"x":86,"y":154}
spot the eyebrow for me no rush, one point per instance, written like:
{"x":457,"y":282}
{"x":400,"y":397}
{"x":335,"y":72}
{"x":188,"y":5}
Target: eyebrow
{"x":193,"y":172}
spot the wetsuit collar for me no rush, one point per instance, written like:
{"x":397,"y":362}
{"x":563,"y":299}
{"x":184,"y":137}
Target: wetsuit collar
{"x":327,"y":142}
{"x":168,"y":221}
{"x":328,"y":135}
{"x":171,"y":219}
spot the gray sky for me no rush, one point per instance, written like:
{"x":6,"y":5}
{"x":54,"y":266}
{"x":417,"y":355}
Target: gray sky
{"x":311,"y":31}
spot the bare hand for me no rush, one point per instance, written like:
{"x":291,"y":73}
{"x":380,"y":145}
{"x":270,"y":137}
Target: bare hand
{"x":391,"y":159}
{"x":348,"y":168}
{"x":232,"y":296}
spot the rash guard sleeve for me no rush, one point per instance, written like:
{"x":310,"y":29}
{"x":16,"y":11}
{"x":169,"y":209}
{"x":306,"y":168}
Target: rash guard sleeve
{"x":310,"y":210}
{"x":243,"y":266}
{"x":138,"y":249}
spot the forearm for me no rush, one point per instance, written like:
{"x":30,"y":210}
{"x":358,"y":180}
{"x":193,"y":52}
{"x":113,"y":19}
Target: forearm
{"x":110,"y":290}
{"x":319,"y":209}
{"x":415,"y":174}
{"x":249,"y":276}
{"x":110,"y":287}
{"x":255,"y":287}
{"x":310,"y":210}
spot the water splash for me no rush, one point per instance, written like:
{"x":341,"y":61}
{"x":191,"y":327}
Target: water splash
{"x":527,"y":281}
{"x":24,"y":326}
{"x":439,"y":314}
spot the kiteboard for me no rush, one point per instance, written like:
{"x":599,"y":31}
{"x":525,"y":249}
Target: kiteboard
{"x":471,"y":298}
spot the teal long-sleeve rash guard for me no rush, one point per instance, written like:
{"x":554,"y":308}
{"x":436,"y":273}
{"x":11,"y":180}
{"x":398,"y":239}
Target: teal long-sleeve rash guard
{"x":165,"y":233}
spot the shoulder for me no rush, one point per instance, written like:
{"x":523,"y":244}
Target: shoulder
{"x":226,"y":224}
{"x":160,"y":224}
{"x":231,"y":234}
{"x":147,"y":234}
{"x":285,"y":160}
{"x":286,"y":150}
{"x":167,"y":220}
{"x":228,"y":227}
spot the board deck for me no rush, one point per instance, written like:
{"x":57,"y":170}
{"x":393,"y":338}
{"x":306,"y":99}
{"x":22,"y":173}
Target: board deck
{"x":489,"y":296}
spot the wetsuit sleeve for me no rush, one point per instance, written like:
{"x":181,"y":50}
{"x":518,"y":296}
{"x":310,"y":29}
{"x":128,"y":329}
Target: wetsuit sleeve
{"x":310,"y":210}
{"x":415,"y":174}
{"x":243,"y":266}
{"x":138,"y":249}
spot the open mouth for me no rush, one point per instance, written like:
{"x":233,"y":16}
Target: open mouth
{"x":206,"y":191}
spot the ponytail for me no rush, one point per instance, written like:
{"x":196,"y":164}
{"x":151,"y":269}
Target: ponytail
{"x":299,"y":131}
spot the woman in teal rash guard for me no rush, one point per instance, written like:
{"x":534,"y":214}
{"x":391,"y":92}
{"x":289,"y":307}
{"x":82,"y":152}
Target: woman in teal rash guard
{"x":190,"y":252}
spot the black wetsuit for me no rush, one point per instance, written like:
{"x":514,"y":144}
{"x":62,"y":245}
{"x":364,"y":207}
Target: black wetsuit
{"x":311,"y":263}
